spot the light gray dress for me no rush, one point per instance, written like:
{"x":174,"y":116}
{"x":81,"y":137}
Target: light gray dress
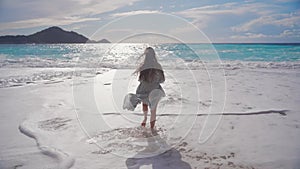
{"x":149,"y":93}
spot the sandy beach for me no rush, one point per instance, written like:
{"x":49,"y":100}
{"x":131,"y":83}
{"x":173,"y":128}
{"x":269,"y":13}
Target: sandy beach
{"x":142,"y":84}
{"x":55,"y":122}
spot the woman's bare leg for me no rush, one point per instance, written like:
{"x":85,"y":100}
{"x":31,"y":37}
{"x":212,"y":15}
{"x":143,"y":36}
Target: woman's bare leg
{"x":145,"y":111}
{"x":153,"y":118}
{"x":154,"y":98}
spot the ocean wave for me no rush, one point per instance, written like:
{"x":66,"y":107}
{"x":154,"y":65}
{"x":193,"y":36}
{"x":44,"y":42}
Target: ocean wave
{"x":15,"y":77}
{"x":23,"y":71}
{"x":261,"y":64}
{"x":119,"y":63}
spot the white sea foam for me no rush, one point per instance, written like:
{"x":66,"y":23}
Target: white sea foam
{"x":65,"y":161}
{"x":22,"y":71}
{"x":256,"y":64}
{"x":131,"y":62}
{"x":13,"y":77}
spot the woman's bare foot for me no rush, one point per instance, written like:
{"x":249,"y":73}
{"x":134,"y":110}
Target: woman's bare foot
{"x":143,"y":124}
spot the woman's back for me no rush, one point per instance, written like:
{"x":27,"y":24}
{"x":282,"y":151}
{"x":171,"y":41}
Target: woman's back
{"x":150,"y":79}
{"x":152,"y":75}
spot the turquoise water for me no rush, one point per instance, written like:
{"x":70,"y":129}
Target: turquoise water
{"x":241,"y":52}
{"x":259,"y":52}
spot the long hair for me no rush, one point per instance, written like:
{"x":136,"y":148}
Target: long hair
{"x":150,"y":70}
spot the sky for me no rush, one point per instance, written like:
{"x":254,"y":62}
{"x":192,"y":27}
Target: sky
{"x":218,"y":21}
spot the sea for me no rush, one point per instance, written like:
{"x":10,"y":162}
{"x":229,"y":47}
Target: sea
{"x":22,"y":64}
{"x":114,"y":55}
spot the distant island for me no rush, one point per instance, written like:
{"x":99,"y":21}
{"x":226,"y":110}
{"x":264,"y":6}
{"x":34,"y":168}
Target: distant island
{"x":49,"y":36}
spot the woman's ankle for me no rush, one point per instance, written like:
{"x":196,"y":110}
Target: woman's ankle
{"x":152,"y":124}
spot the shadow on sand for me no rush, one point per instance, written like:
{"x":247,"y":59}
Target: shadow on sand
{"x":156,"y":156}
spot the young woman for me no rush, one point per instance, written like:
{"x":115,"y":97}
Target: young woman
{"x":149,"y":90}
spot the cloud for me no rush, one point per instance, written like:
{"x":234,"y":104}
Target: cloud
{"x":201,"y":16}
{"x":285,"y":1}
{"x":34,"y":13}
{"x":248,"y":20}
{"x":183,"y":30}
{"x":294,"y":33}
{"x":289,"y":33}
{"x":55,"y":8}
{"x":227,"y":8}
{"x":134,"y":13}
{"x":44,"y":22}
{"x":249,"y":36}
{"x":283,"y":20}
